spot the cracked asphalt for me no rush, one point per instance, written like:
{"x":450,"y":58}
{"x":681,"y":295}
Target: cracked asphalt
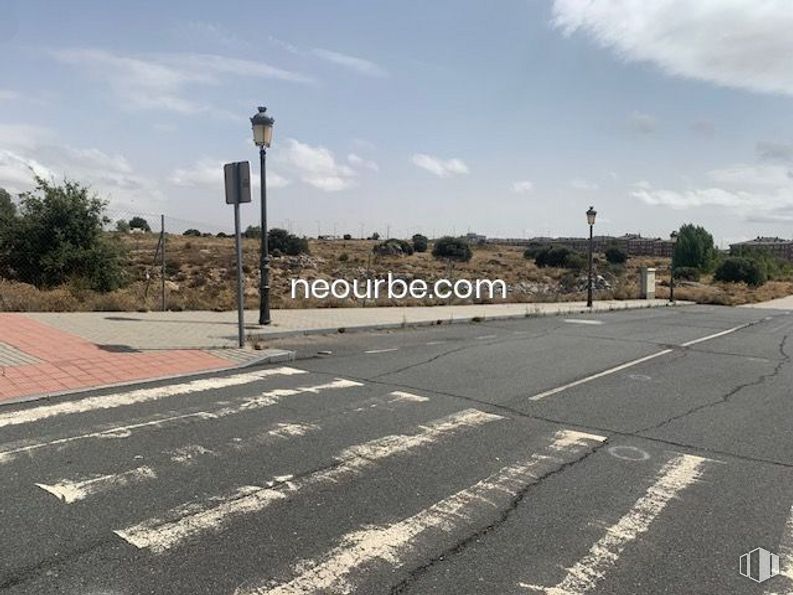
{"x":616,"y":453}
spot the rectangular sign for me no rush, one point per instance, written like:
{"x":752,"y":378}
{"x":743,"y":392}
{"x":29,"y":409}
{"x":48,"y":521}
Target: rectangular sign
{"x":238,"y":182}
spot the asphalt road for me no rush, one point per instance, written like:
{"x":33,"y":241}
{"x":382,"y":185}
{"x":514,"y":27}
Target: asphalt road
{"x":619,"y":453}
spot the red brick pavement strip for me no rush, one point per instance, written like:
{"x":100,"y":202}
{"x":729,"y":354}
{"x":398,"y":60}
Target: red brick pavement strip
{"x":69,"y":362}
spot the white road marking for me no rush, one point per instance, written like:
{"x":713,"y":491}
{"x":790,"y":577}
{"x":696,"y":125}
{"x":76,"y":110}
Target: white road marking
{"x":187,"y":454}
{"x":714,"y":335}
{"x":392,"y":544}
{"x":583,"y":577}
{"x":403,"y":396}
{"x":265,"y":399}
{"x":484,"y":337}
{"x":582,"y":321}
{"x":382,"y":350}
{"x":630,"y":364}
{"x":183,"y":522}
{"x":143,"y":395}
{"x":624,"y":366}
{"x":292,"y":430}
{"x":435,"y":342}
{"x":785,"y":553}
{"x":70,"y":491}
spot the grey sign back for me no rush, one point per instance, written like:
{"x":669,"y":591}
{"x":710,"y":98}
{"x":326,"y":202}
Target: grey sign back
{"x":238,"y":182}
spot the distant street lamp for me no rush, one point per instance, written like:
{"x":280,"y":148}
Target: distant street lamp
{"x":590,"y":217}
{"x":262,"y":136}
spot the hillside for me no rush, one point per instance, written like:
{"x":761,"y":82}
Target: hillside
{"x":200,"y":276}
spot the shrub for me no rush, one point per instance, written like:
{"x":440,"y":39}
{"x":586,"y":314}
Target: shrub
{"x":736,"y":269}
{"x":393,"y":247}
{"x":344,"y":257}
{"x":347,"y":236}
{"x":122,"y":226}
{"x":774,"y":267}
{"x":695,"y":248}
{"x":560,"y":256}
{"x":285,"y":242}
{"x":616,"y":255}
{"x":253,"y":231}
{"x":375,"y":236}
{"x":221,"y":234}
{"x":420,"y":242}
{"x":534,"y":248}
{"x":57,"y":237}
{"x":139,"y":223}
{"x":687,"y":273}
{"x":454,"y":249}
{"x":192,"y":232}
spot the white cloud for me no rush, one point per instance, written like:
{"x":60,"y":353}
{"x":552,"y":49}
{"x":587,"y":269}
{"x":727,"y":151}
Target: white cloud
{"x":32,"y":150}
{"x":317,"y":166}
{"x":8,"y":95}
{"x":161,"y":81}
{"x":208,"y":173}
{"x":642,"y":123}
{"x":210,"y":33}
{"x":740,"y":44}
{"x":581,"y":184}
{"x":359,"y":65}
{"x":522,"y":187}
{"x":753,"y":192}
{"x":440,"y":167}
{"x":359,"y":161}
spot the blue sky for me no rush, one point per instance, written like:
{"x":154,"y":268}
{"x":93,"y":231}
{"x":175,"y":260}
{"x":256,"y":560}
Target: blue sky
{"x":508,"y":119}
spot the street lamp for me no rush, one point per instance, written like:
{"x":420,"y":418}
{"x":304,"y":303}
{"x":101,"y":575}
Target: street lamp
{"x":590,"y":217}
{"x":262,"y":136}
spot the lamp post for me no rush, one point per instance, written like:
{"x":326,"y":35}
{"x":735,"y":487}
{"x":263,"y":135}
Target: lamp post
{"x":590,"y":217}
{"x":262,"y":136}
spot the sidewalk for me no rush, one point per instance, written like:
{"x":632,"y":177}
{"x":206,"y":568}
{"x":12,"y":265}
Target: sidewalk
{"x":50,"y":353}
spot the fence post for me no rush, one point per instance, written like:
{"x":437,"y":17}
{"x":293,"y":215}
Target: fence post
{"x":162,"y":236}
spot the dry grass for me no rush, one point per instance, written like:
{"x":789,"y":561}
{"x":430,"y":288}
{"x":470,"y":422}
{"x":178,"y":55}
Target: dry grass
{"x":200,"y":276}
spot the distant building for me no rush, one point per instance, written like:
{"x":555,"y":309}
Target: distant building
{"x":475,"y":238}
{"x":779,"y":247}
{"x":634,"y":244}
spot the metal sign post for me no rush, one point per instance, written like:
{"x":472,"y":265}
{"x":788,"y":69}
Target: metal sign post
{"x":238,"y":190}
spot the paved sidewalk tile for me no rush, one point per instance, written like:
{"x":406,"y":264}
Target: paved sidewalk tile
{"x":40,"y":359}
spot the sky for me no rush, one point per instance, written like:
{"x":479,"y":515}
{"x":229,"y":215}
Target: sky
{"x":507,"y":119}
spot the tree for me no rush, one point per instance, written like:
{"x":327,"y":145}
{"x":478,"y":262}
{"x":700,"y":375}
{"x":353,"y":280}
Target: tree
{"x":736,"y":269}
{"x":139,"y":223}
{"x":58,"y":237}
{"x":192,"y":232}
{"x":695,"y":248}
{"x":560,"y":256}
{"x":347,"y":236}
{"x":253,"y":231}
{"x":452,"y":249}
{"x":616,"y":255}
{"x":7,"y":207}
{"x":285,"y":242}
{"x":375,"y":236}
{"x":420,"y":242}
{"x":8,"y":211}
{"x":122,"y":226}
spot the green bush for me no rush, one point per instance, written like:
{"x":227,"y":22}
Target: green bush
{"x":737,"y":269}
{"x":616,"y":255}
{"x":393,"y":247}
{"x":687,"y":273}
{"x":253,"y":232}
{"x":420,"y":243}
{"x":773,"y":267}
{"x":533,"y":250}
{"x":347,"y":236}
{"x":285,"y":242}
{"x":122,"y":226}
{"x":192,"y":232}
{"x":695,"y":248}
{"x":560,"y":256}
{"x":344,"y":257}
{"x":454,"y":249}
{"x":57,"y":237}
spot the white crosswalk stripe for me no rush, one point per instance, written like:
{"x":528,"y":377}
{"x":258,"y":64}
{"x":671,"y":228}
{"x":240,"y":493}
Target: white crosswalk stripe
{"x":390,"y":544}
{"x":162,"y":533}
{"x":143,"y":395}
{"x":584,"y":575}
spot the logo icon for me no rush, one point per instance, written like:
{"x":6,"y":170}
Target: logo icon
{"x":759,"y":565}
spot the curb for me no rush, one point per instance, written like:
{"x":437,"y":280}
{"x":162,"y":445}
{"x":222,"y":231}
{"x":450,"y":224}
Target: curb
{"x":269,"y":356}
{"x":253,"y":336}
